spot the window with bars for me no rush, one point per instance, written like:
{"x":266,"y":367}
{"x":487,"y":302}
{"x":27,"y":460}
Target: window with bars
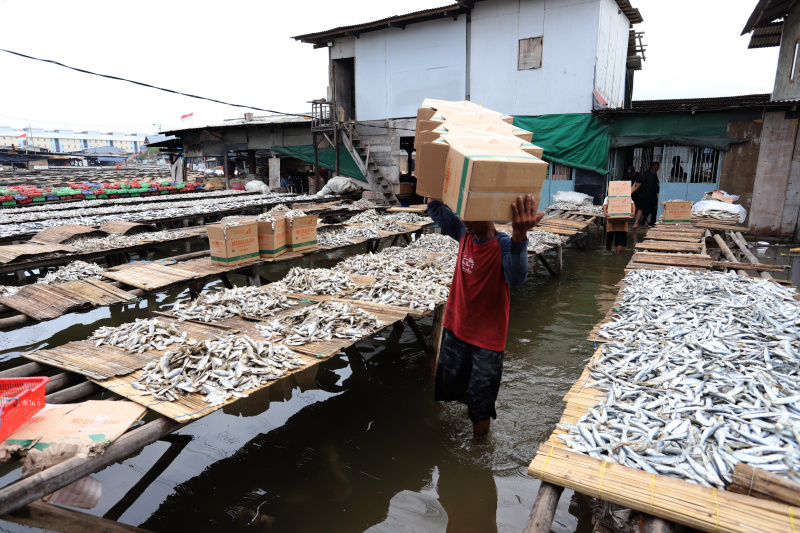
{"x":556,"y":171}
{"x":680,"y":164}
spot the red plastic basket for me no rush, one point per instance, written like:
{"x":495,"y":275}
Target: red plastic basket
{"x":21,"y":399}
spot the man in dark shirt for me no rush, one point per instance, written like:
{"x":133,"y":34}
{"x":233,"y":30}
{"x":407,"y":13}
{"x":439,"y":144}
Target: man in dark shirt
{"x":476,"y":316}
{"x":645,"y":194}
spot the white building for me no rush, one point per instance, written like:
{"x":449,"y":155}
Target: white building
{"x":519,"y":57}
{"x":70,"y":141}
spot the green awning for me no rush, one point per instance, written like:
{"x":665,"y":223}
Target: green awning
{"x":706,"y":130}
{"x":327,"y":159}
{"x":578,"y":140}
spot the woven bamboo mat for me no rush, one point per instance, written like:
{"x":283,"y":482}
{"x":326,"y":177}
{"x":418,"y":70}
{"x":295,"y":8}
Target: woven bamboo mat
{"x":693,"y":260}
{"x":97,"y":362}
{"x":150,"y":276}
{"x":416,"y":208}
{"x":190,"y":407}
{"x":670,"y":246}
{"x":42,"y":302}
{"x":12,"y":252}
{"x":59,"y":234}
{"x":118,"y":227}
{"x":95,"y":292}
{"x":687,"y":503}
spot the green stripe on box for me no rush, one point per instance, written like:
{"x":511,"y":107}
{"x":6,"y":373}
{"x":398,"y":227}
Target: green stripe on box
{"x":275,"y":251}
{"x":677,"y":220}
{"x":307,"y":243}
{"x":466,"y":168}
{"x":234,"y":258}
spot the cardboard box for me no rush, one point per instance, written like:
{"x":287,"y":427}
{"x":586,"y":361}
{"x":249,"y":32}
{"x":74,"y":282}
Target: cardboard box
{"x":272,"y":237}
{"x":677,"y":211}
{"x":482,"y":180}
{"x":619,"y":188}
{"x":429,"y":168}
{"x":616,"y":225}
{"x":718,"y":195}
{"x":401,"y":189}
{"x":232,"y":245}
{"x":301,"y":232}
{"x":620,"y":207}
{"x":465,"y":131}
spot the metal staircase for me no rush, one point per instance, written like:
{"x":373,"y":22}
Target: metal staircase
{"x":360,"y":154}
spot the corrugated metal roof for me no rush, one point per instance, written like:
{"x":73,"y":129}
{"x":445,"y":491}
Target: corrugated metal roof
{"x":268,"y":120}
{"x":693,"y":104}
{"x":633,"y":14}
{"x":766,"y":36}
{"x":766,"y":12}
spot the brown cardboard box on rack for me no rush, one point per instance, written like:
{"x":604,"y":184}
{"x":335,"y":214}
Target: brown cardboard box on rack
{"x":301,"y":232}
{"x":482,"y":179}
{"x":232,"y":245}
{"x":272,"y":236}
{"x":677,"y":211}
{"x":616,"y":225}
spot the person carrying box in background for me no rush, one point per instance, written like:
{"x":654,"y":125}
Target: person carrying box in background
{"x":618,"y":237}
{"x":645,"y":194}
{"x":476,"y":317}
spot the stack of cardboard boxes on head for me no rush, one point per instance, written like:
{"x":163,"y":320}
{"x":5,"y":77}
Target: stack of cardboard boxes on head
{"x":252,"y":239}
{"x":475,"y":160}
{"x":620,"y":206}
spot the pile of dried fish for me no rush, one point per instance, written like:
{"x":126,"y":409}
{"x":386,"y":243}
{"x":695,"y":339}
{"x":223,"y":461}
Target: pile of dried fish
{"x":253,"y":302}
{"x":143,"y":334}
{"x":703,"y":372}
{"x":332,"y":237}
{"x":314,"y":281}
{"x":368,"y":217}
{"x":280,"y":207}
{"x":98,"y":244}
{"x":404,"y":253}
{"x":322,"y":322}
{"x":220,"y":369}
{"x":407,"y":218}
{"x":566,"y":206}
{"x":74,"y":271}
{"x":540,"y":240}
{"x":361,"y":232}
{"x":435,"y":243}
{"x":358,"y":205}
{"x":383,"y":266}
{"x":292,"y":213}
{"x":389,"y":225}
{"x":424,"y":294}
{"x":8,"y":290}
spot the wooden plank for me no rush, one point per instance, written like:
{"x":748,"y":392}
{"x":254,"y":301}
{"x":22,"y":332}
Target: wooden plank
{"x":695,"y":260}
{"x":544,"y":509}
{"x":739,"y":240}
{"x":670,"y":246}
{"x":150,"y":276}
{"x":12,"y":252}
{"x":95,"y":292}
{"x":732,"y":265}
{"x":54,"y":518}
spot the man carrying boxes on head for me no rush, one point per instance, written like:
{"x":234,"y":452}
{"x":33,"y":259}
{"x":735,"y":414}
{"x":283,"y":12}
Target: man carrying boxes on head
{"x":618,"y":208}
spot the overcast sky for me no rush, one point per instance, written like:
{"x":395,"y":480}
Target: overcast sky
{"x":242,"y":52}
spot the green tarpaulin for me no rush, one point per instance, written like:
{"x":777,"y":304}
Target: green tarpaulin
{"x":327,"y":159}
{"x":578,"y":140}
{"x":706,"y":130}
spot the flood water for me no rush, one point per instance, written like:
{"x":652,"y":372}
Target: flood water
{"x":357,"y":443}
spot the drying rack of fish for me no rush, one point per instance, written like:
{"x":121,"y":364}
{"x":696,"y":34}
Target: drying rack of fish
{"x":143,"y":334}
{"x":292,"y":213}
{"x":321,"y":322}
{"x":279,"y":207}
{"x":540,"y":240}
{"x":360,"y":232}
{"x":24,"y":223}
{"x":220,"y":369}
{"x":368,"y":217}
{"x":435,"y":243}
{"x":582,"y":208}
{"x":332,"y":237}
{"x":77,"y":270}
{"x":404,"y":253}
{"x":359,"y":205}
{"x":99,"y":244}
{"x":703,"y":371}
{"x":383,"y":266}
{"x":253,"y":302}
{"x":424,"y":294}
{"x":407,"y":218}
{"x":314,"y":281}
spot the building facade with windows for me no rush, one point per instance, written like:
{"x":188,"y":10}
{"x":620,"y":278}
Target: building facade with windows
{"x":66,"y":141}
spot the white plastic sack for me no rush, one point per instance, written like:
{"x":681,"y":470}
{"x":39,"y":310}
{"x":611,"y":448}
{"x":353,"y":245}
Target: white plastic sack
{"x":706,"y":206}
{"x":572,"y":197}
{"x":256,"y":186}
{"x":339,"y":185}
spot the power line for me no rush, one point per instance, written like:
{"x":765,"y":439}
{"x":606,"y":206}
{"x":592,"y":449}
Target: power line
{"x":142,"y":84}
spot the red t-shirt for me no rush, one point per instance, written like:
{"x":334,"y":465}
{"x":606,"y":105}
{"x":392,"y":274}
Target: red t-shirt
{"x":477,"y":308}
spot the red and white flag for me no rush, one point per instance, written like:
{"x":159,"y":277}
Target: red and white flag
{"x":184,"y":118}
{"x":21,"y":136}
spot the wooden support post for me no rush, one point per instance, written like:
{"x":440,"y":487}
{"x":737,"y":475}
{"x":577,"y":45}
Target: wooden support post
{"x":61,"y":380}
{"x":560,"y":260}
{"x":226,"y":282}
{"x":547,"y":265}
{"x":20,"y":275}
{"x":435,"y":339}
{"x":32,"y":488}
{"x":50,"y":517}
{"x":407,"y":238}
{"x":196,"y":288}
{"x":394,"y":240}
{"x":544,"y":509}
{"x":418,"y":334}
{"x":29,"y":369}
{"x":253,"y":279}
{"x":356,"y":361}
{"x":739,"y":240}
{"x":728,"y":253}
{"x":70,"y":394}
{"x":654,"y":524}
